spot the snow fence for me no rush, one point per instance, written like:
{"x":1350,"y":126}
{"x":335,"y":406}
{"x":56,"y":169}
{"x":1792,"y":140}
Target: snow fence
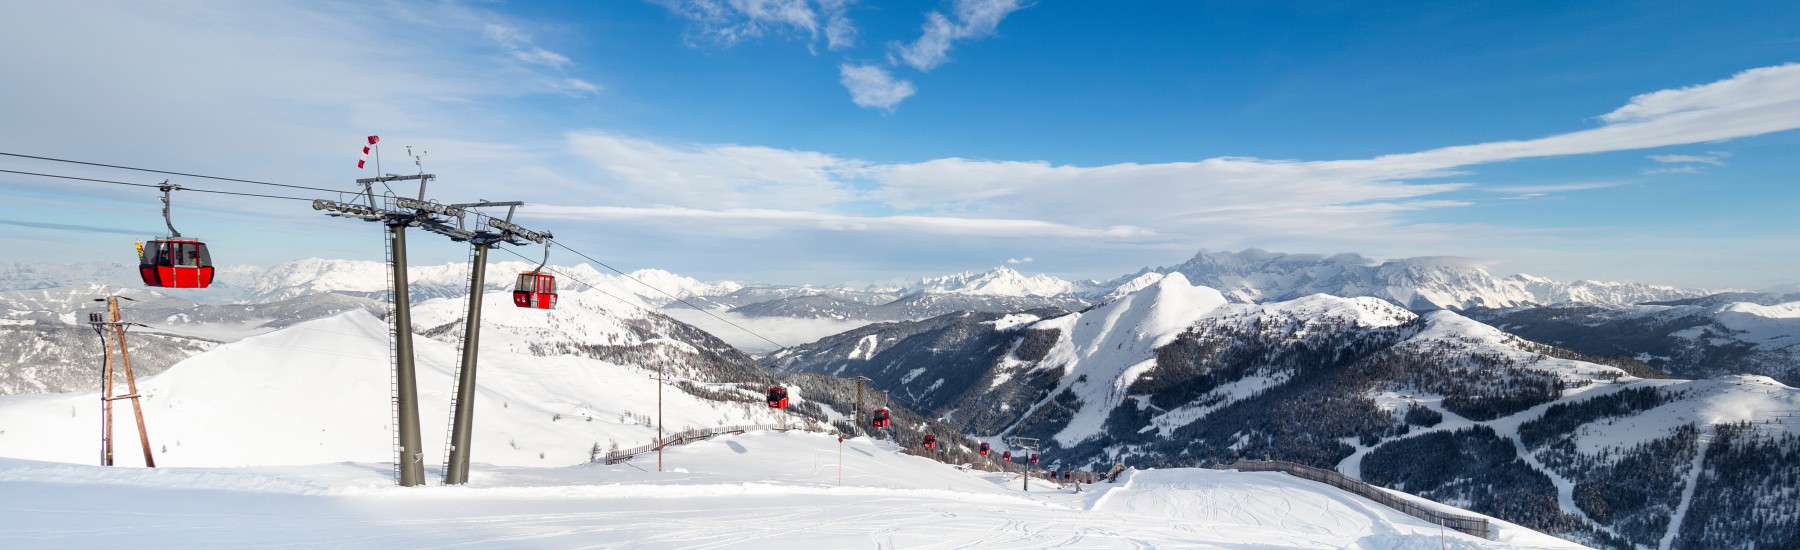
{"x":687,"y":436}
{"x":1473,"y":525}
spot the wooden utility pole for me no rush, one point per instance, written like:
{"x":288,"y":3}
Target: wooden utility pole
{"x":659,"y":422}
{"x":106,"y":390}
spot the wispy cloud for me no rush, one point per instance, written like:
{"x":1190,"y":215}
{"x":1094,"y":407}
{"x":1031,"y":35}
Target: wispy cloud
{"x":729,"y":22}
{"x":1686,"y":164}
{"x":577,"y":87}
{"x":519,"y":45}
{"x":1553,"y":188}
{"x":1363,"y":200}
{"x":872,"y":86}
{"x":973,"y":19}
{"x":1715,"y":158}
{"x":72,"y":227}
{"x":1016,"y":261}
{"x":940,"y":225}
{"x":1683,"y":169}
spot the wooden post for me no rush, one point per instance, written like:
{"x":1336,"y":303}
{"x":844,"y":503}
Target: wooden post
{"x":137,"y":407}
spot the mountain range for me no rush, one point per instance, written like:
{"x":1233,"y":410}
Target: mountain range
{"x":1607,"y":451}
{"x":1253,"y":275}
{"x":1432,"y":369}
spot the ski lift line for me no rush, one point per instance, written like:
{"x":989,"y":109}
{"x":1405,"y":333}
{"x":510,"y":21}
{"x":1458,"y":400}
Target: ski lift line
{"x":666,"y":293}
{"x":169,"y":173}
{"x":551,"y":241}
{"x":152,"y":186}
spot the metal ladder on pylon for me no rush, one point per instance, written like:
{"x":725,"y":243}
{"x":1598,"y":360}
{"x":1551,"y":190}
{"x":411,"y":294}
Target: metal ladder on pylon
{"x":393,"y":354}
{"x":462,"y":339}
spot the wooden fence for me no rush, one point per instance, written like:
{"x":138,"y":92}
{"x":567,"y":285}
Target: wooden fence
{"x":1467,"y":524}
{"x":685,"y":437}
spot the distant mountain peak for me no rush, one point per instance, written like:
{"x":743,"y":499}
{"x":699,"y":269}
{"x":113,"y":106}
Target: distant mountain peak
{"x":1428,"y":282}
{"x":999,"y":281}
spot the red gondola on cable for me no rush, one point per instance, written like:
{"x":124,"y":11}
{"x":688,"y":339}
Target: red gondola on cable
{"x":1006,"y":456}
{"x":930,"y":441}
{"x":881,"y":418}
{"x":778,"y":398}
{"x":1034,"y":458}
{"x":984,"y":448}
{"x":174,"y":261}
{"x":536,"y":289}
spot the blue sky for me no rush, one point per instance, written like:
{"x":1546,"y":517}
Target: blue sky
{"x":826,"y":141}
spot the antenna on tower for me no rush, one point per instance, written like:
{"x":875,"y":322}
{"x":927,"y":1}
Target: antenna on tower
{"x":419,"y":161}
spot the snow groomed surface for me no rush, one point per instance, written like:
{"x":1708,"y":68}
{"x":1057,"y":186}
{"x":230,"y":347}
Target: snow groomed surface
{"x":761,"y":489}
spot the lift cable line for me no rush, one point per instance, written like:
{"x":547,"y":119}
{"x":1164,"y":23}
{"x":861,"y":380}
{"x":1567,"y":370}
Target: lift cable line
{"x":170,"y":173}
{"x":372,"y":212}
{"x":156,"y":186}
{"x":666,"y":293}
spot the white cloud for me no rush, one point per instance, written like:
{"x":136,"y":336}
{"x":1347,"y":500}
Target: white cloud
{"x":840,"y":33}
{"x":520,"y":46}
{"x":728,"y":22}
{"x":973,"y":19}
{"x":1753,"y":102}
{"x":871,"y":86}
{"x":1223,"y":202}
{"x":1684,"y":169}
{"x":937,"y":225}
{"x":1553,"y":188}
{"x":1016,"y":261}
{"x":577,"y":87}
{"x":1715,"y":158}
{"x":718,"y":176}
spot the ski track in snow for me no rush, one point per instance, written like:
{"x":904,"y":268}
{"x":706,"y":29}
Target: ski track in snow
{"x":1689,"y":482}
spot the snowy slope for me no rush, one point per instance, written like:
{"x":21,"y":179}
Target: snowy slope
{"x":758,"y":489}
{"x":1110,"y":346}
{"x":319,"y":392}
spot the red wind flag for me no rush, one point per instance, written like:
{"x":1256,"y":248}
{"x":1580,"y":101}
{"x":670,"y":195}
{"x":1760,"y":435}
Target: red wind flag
{"x":365,"y":155}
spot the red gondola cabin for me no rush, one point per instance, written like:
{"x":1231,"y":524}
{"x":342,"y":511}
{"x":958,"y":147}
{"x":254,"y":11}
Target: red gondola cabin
{"x":881,"y":418}
{"x":984,"y":448}
{"x":535,"y":290}
{"x":1034,"y":458}
{"x":1006,"y":456}
{"x":930,"y":441}
{"x":778,"y":398}
{"x":175,"y":263}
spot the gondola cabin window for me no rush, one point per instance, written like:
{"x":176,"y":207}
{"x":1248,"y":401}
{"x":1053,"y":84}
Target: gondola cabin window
{"x":535,"y":290}
{"x":175,"y":263}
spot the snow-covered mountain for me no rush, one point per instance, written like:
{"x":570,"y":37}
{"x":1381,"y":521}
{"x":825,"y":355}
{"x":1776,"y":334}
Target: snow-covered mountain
{"x":298,"y":420}
{"x":1000,"y":281}
{"x":319,"y":392}
{"x":1697,"y":338}
{"x":51,"y":348}
{"x":1436,"y":404}
{"x":1418,"y":283}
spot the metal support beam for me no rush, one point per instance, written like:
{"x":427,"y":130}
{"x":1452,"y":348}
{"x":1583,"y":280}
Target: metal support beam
{"x":406,"y":395}
{"x":456,"y":468}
